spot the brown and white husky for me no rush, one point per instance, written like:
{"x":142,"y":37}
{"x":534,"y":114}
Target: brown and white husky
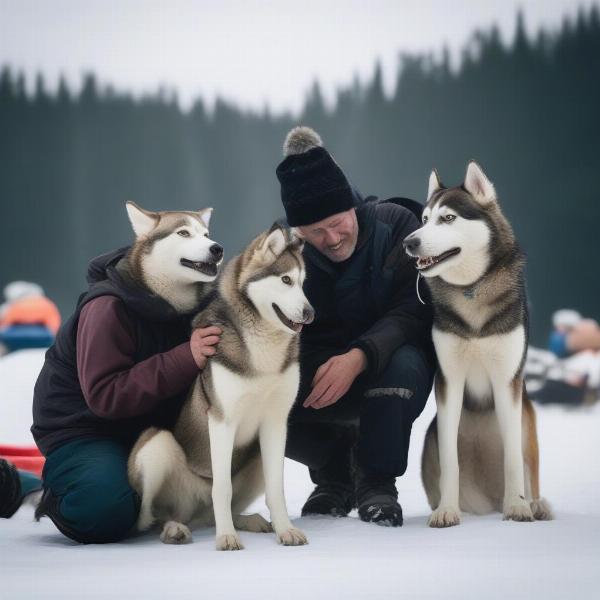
{"x":481,"y":451}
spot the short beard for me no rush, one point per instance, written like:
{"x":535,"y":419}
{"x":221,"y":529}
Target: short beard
{"x":338,"y":259}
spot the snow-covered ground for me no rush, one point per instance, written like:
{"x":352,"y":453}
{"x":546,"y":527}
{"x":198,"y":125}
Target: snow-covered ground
{"x":482,"y":558}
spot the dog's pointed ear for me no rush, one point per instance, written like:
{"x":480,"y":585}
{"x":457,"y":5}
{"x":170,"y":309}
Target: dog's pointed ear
{"x":205,"y":214}
{"x":478,"y":185}
{"x":142,"y":221}
{"x":297,"y":239}
{"x":434,"y":184}
{"x":274,"y":243}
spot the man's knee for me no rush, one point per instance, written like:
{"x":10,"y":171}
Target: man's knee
{"x":406,"y":381}
{"x":87,"y":492}
{"x":391,"y":403}
{"x":94,"y":514}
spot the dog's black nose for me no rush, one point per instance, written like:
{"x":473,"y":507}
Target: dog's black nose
{"x":216,"y":251}
{"x":308,"y":315}
{"x":411,"y":242}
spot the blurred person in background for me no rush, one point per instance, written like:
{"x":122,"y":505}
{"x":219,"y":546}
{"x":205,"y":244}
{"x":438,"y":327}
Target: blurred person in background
{"x":577,"y":340}
{"x":28,"y":319}
{"x":572,"y":333}
{"x":569,"y":372}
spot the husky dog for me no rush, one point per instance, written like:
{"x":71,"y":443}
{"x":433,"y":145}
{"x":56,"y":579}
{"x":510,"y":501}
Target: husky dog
{"x":197,"y":257}
{"x":485,"y":423}
{"x":228,"y":444}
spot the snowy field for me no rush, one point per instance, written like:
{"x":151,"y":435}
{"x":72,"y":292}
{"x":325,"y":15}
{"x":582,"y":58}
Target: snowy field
{"x":482,"y":558}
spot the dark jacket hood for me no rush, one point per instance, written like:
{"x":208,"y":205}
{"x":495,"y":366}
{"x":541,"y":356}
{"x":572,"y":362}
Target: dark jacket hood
{"x":109,"y":275}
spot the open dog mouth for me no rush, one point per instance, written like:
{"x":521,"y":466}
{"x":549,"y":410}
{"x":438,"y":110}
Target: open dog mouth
{"x":426,"y":262}
{"x":203,"y":267}
{"x":295,"y":327}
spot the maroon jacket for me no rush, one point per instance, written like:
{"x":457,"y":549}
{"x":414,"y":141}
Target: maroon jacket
{"x":113,"y":384}
{"x":120,"y":363}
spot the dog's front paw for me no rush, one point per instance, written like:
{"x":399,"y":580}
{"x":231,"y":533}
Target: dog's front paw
{"x":175,"y":533}
{"x":517,"y":511}
{"x":255,"y":523}
{"x":541,"y":509}
{"x":229,"y":541}
{"x":292,"y":537}
{"x":444,"y":517}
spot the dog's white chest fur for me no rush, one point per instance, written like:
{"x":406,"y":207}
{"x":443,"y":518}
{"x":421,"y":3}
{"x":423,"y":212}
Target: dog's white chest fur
{"x":246,"y":401}
{"x":479,"y":360}
{"x":476,"y":316}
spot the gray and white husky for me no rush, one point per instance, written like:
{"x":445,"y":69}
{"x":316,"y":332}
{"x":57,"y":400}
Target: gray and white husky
{"x":485,"y":423}
{"x":229,"y":441}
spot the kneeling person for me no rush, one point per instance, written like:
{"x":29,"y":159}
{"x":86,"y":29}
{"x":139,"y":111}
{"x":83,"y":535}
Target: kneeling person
{"x":123,"y":361}
{"x":366,"y":360}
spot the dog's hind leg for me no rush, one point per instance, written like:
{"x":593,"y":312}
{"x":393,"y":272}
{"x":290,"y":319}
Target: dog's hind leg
{"x":254,"y":522}
{"x":175,"y":533}
{"x":430,"y":466}
{"x":142,"y":479}
{"x":153,"y":461}
{"x":539,"y":506}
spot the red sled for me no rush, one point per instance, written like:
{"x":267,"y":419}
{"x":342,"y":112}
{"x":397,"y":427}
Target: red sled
{"x":26,"y":458}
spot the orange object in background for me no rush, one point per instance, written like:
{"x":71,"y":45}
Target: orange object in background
{"x":32,"y":310}
{"x":26,"y":458}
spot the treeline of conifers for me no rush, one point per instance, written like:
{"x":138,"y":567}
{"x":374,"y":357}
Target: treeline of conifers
{"x":528,"y":111}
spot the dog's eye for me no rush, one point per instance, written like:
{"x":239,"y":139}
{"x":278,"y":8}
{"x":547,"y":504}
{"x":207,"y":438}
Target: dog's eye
{"x":287,"y":280}
{"x":425,"y":219}
{"x":206,"y":235}
{"x":183,"y":233}
{"x":449,"y":218}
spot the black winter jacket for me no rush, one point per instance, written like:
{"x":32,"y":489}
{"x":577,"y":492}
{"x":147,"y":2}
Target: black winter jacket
{"x":369,"y":301}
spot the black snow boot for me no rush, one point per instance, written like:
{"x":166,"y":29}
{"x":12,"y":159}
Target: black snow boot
{"x":331,"y":498}
{"x":377,"y":498}
{"x":334,"y":493}
{"x":10,"y":489}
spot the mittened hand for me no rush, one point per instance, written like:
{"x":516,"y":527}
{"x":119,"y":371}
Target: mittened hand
{"x":203,"y":343}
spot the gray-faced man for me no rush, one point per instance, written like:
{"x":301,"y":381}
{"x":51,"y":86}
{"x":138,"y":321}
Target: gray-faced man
{"x":366,"y":360}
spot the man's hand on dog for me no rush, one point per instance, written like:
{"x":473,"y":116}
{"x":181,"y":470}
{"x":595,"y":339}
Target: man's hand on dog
{"x":203,"y":343}
{"x":334,"y":378}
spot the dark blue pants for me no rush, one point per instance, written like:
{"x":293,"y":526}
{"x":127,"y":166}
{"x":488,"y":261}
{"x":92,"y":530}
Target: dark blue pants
{"x":29,"y":483}
{"x":87,"y":493}
{"x":379,"y":412}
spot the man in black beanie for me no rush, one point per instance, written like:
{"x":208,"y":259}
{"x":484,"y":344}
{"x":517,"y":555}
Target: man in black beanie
{"x":366,"y":360}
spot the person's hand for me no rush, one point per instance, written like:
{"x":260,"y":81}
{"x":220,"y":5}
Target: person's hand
{"x":584,"y":336}
{"x":203,"y":343}
{"x":334,"y":378}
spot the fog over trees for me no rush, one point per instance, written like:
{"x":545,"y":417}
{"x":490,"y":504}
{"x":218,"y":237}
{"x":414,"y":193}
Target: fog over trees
{"x":528,"y":112}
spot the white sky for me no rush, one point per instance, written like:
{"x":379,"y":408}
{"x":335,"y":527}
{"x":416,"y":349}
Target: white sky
{"x":252,"y":52}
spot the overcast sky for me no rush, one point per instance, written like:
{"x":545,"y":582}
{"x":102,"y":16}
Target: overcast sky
{"x":251,"y":52}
